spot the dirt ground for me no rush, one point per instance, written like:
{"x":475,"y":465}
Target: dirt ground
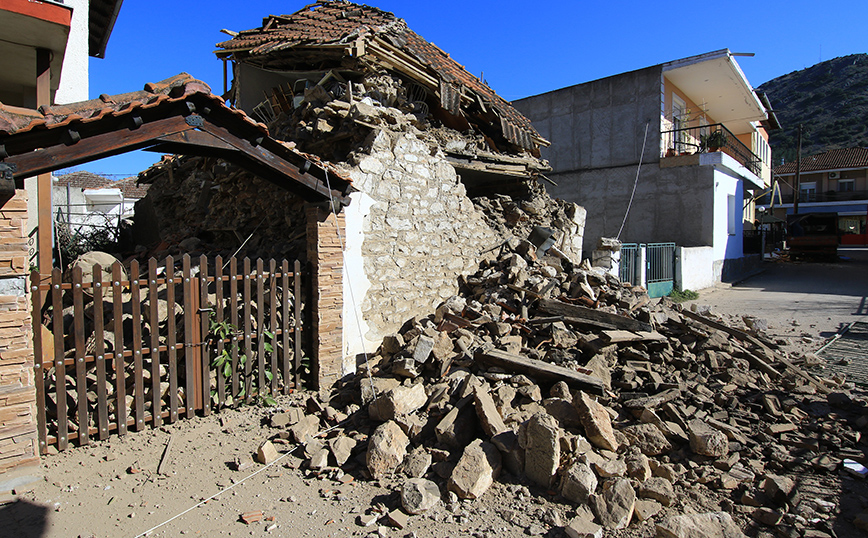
{"x":112,"y":488}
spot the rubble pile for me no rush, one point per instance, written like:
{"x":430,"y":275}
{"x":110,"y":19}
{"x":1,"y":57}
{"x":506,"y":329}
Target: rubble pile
{"x":581,"y":390}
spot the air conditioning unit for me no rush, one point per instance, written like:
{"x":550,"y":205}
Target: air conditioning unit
{"x":834,"y":175}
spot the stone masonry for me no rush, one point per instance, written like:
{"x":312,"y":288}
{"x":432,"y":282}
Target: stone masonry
{"x":421,"y":233}
{"x":17,"y":388}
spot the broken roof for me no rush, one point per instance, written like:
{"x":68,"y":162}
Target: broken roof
{"x":377,"y":37}
{"x":835,"y":159}
{"x":85,"y":180}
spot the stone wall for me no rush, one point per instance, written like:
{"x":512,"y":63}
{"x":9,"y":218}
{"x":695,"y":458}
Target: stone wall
{"x":420,"y":233}
{"x":17,"y":388}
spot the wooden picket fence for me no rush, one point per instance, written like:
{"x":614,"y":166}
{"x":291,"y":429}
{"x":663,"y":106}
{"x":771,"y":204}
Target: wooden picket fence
{"x":166,"y":343}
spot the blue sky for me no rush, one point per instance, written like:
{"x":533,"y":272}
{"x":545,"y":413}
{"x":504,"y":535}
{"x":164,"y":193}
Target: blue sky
{"x":521,"y":48}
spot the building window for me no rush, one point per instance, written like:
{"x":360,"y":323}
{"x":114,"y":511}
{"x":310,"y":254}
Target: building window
{"x":731,"y":215}
{"x":808,"y":191}
{"x":846,"y":185}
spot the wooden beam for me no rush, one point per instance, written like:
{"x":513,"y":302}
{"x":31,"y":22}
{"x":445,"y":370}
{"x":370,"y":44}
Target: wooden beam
{"x":558,"y":308}
{"x":539,"y":369}
{"x":45,"y":258}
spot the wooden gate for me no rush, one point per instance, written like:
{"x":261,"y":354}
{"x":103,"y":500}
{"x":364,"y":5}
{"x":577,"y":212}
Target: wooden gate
{"x":114,"y":352}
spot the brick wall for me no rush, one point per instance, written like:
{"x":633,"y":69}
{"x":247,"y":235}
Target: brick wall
{"x":17,"y":389}
{"x":327,"y":265}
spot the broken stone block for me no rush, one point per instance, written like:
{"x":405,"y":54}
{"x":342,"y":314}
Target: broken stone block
{"x":457,"y":428}
{"x":583,"y":527}
{"x":645,"y":509}
{"x":648,"y":438}
{"x":767,"y":516}
{"x":419,"y":495}
{"x":417,"y":462}
{"x":443,"y":347}
{"x":424,"y":347}
{"x":638,"y":466}
{"x":401,"y":400}
{"x":596,"y":421}
{"x":387,"y":447}
{"x":540,"y":438}
{"x":511,"y":453}
{"x":392,"y":343}
{"x":614,"y":506}
{"x":319,"y":460}
{"x":406,"y":367}
{"x":707,"y":441}
{"x":578,"y":483}
{"x":707,"y":525}
{"x":561,"y":390}
{"x":658,"y":489}
{"x":266,"y":453}
{"x":778,"y":488}
{"x":398,"y":519}
{"x":305,"y":429}
{"x":511,"y":344}
{"x":607,"y":468}
{"x":342,"y":448}
{"x":374,"y":386}
{"x":563,"y":411}
{"x":562,"y":337}
{"x":479,"y":465}
{"x":531,"y":392}
{"x":489,"y":417}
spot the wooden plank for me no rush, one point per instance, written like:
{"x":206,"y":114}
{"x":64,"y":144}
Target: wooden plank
{"x":233,"y":320}
{"x":552,"y":306}
{"x":161,"y":468}
{"x":154,"y":328}
{"x":284,"y":326}
{"x":190,"y":386}
{"x":38,"y":359}
{"x":99,"y":351}
{"x":272,"y":290}
{"x":204,"y":328}
{"x":248,"y":329}
{"x":171,"y":340}
{"x":296,"y":334}
{"x":138,"y":378}
{"x":78,"y":335}
{"x":260,"y":326}
{"x":120,"y":362}
{"x":218,"y":318}
{"x":539,"y":369}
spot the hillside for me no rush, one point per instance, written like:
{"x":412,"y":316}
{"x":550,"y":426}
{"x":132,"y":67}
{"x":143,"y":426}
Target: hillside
{"x":830,"y":99}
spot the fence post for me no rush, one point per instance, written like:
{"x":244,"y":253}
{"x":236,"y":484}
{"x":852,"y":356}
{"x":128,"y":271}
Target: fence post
{"x":642,"y":255}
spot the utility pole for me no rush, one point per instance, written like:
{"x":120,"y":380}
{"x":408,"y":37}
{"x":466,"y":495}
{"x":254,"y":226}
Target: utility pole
{"x":798,"y":173}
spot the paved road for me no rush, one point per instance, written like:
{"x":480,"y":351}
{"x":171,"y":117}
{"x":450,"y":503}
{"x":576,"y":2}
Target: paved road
{"x":801,"y":298}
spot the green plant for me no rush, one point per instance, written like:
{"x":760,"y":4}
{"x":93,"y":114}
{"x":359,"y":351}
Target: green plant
{"x":680,"y":296}
{"x":714,"y":141}
{"x":224,"y":331}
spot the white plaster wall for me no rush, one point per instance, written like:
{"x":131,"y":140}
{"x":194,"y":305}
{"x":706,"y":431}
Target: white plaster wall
{"x":725,"y":185}
{"x":356,"y":282}
{"x":74,"y":74}
{"x":694,"y":268}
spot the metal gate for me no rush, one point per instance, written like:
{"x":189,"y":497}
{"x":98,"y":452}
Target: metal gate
{"x":660,"y":268}
{"x":114,"y":352}
{"x":629,"y":267}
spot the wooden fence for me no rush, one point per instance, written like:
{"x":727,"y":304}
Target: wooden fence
{"x":166,"y":342}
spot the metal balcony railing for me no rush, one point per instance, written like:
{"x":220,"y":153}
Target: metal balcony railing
{"x":708,"y":139}
{"x":828,"y":196}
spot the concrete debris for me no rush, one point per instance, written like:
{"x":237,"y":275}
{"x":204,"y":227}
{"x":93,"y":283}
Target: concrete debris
{"x":614,"y":506}
{"x":708,"y":525}
{"x":474,"y":473}
{"x":419,"y":495}
{"x":386,"y":449}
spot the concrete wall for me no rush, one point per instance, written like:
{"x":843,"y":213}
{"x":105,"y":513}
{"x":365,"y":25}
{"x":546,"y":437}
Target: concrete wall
{"x":74,"y":73}
{"x":694,"y":268}
{"x":670,"y":204}
{"x":417,"y":231}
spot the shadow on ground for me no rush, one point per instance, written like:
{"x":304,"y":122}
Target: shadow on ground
{"x":23,"y":519}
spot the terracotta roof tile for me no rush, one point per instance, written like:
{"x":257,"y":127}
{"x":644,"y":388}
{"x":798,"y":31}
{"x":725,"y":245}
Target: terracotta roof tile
{"x":834,"y":159}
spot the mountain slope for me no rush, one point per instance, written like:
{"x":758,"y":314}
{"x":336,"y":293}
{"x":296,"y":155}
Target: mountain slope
{"x":830,"y":99}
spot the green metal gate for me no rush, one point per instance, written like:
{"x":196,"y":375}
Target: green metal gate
{"x":660,"y":268}
{"x":629,"y":267}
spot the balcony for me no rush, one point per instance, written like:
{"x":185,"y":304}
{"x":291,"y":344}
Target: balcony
{"x":709,"y":139}
{"x":828,"y":196}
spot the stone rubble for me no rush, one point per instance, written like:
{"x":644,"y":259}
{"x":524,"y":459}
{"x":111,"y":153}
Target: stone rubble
{"x":680,"y":438}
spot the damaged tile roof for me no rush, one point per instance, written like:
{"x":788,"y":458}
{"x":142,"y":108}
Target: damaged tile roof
{"x":835,"y":159}
{"x":15,"y":120}
{"x":379,"y":36}
{"x":88,"y":180}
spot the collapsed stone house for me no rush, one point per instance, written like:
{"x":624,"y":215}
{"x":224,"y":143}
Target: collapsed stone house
{"x":446,"y":172}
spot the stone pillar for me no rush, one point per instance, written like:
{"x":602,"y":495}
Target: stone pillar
{"x":19,"y":454}
{"x":327,"y":264}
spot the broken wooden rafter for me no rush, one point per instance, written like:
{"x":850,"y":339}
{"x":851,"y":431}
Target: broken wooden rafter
{"x":539,"y":369}
{"x":592,"y":316}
